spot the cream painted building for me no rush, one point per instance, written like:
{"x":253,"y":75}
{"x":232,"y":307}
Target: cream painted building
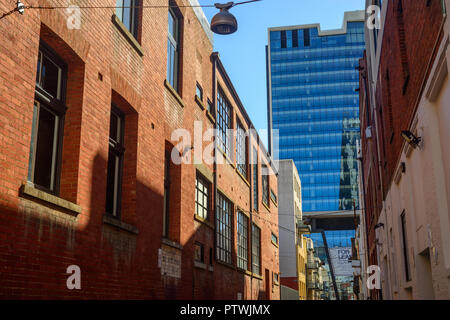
{"x":413,"y":233}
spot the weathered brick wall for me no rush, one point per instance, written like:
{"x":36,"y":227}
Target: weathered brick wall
{"x":403,"y":52}
{"x":38,"y":241}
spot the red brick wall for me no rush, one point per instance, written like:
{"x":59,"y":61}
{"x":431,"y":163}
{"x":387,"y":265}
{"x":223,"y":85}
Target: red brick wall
{"x":403,"y":52}
{"x":39,"y":241}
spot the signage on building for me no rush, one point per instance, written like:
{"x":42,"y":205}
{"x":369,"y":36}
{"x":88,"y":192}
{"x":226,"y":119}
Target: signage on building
{"x":340,"y":258}
{"x":170,"y":263}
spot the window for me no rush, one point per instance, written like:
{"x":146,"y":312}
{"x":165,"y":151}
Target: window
{"x":405,"y":246}
{"x":274,"y":239}
{"x":276,"y":278}
{"x":306,"y":38}
{"x":255,"y":180}
{"x":265,"y":186}
{"x":224,"y":231}
{"x":199,"y":92}
{"x":48,"y":118}
{"x":166,"y":194}
{"x":256,"y":249}
{"x":224,"y":122}
{"x":283,"y":39}
{"x":210,"y":107}
{"x":273,"y":196}
{"x":115,"y":163}
{"x":295,"y":38}
{"x":241,"y":150}
{"x":242,"y":241}
{"x":199,"y":254}
{"x":173,"y":50}
{"x":202,"y":197}
{"x":128,"y":12}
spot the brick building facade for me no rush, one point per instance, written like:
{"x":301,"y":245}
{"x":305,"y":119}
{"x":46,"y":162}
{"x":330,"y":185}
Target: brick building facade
{"x":406,"y":205}
{"x":88,"y":131}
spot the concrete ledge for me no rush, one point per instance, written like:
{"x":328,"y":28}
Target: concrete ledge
{"x":199,"y":265}
{"x":31,"y":191}
{"x":174,"y":93}
{"x":243,"y":178}
{"x":203,"y":221}
{"x":131,"y":39}
{"x":257,"y":276}
{"x":210,"y":117}
{"x":120,"y":224}
{"x":171,"y":243}
{"x":266,"y":206}
{"x":199,"y":102}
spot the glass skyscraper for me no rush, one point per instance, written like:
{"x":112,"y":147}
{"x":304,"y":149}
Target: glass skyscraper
{"x":314,"y":106}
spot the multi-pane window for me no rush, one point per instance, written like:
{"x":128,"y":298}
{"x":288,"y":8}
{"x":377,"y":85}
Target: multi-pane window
{"x":255,"y":179}
{"x":241,"y":150}
{"x":256,"y":249}
{"x":242,"y":241}
{"x":172,"y":50}
{"x":128,"y":12}
{"x":202,"y":197}
{"x":224,"y":116}
{"x":224,"y":231}
{"x":115,"y":163}
{"x":265,"y":185}
{"x":48,"y":117}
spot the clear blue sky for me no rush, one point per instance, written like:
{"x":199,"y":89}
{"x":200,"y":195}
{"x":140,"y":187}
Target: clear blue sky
{"x":243,"y":53}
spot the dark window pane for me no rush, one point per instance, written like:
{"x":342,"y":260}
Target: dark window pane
{"x":50,"y":77}
{"x":44,"y":148}
{"x":110,"y":181}
{"x":306,"y":38}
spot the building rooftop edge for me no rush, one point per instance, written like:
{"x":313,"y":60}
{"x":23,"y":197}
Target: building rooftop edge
{"x":349,"y":16}
{"x":202,"y":19}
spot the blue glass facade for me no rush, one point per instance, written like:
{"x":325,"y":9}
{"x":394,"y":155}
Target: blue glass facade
{"x":315,"y":108}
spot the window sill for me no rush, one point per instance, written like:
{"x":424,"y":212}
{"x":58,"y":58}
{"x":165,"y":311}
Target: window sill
{"x":210,"y":117}
{"x":244,"y":271}
{"x":226,"y":264}
{"x":243,"y":178}
{"x":199,"y":102}
{"x":257,"y":276}
{"x":107,"y":219}
{"x":127,"y":34}
{"x":204,"y":221}
{"x":275,"y":244}
{"x":199,"y":265}
{"x":29,"y":190}
{"x":171,"y":243}
{"x":174,"y":93}
{"x":266,"y":206}
{"x":227,"y":158}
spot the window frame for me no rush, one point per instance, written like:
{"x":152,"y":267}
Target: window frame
{"x":134,"y":15}
{"x":255,"y":180}
{"x":206,"y":184}
{"x":198,"y":88}
{"x":256,"y":246}
{"x":222,"y":239}
{"x":243,"y":239}
{"x":202,"y":252}
{"x":224,"y":117}
{"x":241,"y":149}
{"x":265,"y":196}
{"x":54,"y":105}
{"x":173,"y":70}
{"x":118,"y":149}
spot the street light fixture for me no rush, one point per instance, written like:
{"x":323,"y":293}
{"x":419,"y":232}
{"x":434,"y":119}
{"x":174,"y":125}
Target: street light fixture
{"x":224,"y":22}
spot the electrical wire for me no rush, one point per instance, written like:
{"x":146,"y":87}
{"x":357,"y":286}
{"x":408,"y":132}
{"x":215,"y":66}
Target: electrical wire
{"x":26,"y":7}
